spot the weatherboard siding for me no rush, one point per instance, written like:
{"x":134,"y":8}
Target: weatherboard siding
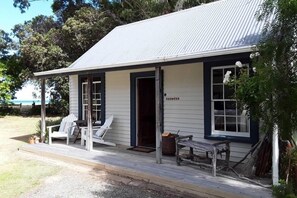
{"x":117,"y":89}
{"x":183,"y":100}
{"x":184,"y":82}
{"x":73,"y":95}
{"x":184,"y":105}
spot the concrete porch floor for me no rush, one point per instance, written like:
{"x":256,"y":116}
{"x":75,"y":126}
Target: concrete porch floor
{"x":142,"y":166}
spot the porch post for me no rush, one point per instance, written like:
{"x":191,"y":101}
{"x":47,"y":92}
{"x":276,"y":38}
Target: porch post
{"x":43,"y":132}
{"x":89,"y":142}
{"x":158,"y":115}
{"x":275,"y":156}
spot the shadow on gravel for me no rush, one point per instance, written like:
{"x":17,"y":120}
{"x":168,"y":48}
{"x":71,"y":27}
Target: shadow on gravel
{"x":124,"y":191}
{"x":23,"y":138}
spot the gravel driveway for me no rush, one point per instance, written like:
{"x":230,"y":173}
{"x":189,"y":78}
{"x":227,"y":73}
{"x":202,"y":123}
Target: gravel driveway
{"x":83,"y":182}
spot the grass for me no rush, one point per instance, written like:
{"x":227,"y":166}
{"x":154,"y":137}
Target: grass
{"x":23,"y":175}
{"x":18,"y":174}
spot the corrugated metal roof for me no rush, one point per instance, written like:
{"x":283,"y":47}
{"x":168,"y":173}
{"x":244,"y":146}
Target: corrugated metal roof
{"x":222,"y":26}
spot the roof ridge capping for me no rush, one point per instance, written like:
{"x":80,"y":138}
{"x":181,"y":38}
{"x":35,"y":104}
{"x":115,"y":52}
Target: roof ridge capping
{"x":172,"y":13}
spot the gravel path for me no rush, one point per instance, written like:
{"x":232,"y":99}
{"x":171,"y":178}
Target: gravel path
{"x":83,"y":182}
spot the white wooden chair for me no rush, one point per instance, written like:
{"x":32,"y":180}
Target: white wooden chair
{"x":98,"y":133}
{"x":66,"y":129}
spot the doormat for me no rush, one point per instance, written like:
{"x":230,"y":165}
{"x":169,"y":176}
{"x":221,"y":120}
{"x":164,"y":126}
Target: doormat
{"x":141,"y":149}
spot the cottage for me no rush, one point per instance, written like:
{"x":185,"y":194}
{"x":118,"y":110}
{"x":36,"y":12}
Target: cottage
{"x":166,"y":74}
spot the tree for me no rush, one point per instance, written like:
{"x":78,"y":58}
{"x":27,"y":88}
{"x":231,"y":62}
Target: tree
{"x":10,"y":79}
{"x":269,"y":90}
{"x":38,"y":49}
{"x":5,"y":83}
{"x":273,"y":87}
{"x":5,"y":43}
{"x":80,"y":32}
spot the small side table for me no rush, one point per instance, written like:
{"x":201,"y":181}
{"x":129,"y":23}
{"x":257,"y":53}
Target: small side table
{"x":79,"y":124}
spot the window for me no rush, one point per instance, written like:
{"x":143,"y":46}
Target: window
{"x":227,"y":118}
{"x":98,"y":98}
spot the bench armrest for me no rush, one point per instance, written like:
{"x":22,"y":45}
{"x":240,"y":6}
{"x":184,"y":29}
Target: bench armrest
{"x":50,"y":128}
{"x":227,"y":142}
{"x":190,"y":137}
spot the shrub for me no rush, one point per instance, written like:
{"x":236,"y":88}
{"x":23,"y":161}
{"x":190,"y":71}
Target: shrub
{"x":47,"y":123}
{"x":283,"y":190}
{"x":7,"y":109}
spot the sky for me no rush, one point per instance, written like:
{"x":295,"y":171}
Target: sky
{"x":10,"y":16}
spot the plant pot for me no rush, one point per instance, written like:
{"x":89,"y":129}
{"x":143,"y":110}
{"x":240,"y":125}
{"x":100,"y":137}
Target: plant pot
{"x":31,"y":141}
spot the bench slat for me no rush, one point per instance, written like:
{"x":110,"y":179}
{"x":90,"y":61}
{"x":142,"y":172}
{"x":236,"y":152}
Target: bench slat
{"x":214,"y":149}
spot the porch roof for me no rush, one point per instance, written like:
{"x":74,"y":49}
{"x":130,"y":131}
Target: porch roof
{"x":218,"y":28}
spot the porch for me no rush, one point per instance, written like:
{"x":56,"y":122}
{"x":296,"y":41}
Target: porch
{"x":142,"y":166}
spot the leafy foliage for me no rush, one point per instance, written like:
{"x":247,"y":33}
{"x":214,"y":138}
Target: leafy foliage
{"x":10,"y":78}
{"x":48,"y":122}
{"x":5,"y":82}
{"x":22,"y":4}
{"x":271,"y":92}
{"x":283,"y":190}
{"x":83,"y":30}
{"x":5,"y":43}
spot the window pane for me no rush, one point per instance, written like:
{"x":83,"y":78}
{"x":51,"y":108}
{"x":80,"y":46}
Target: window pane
{"x":218,"y":108}
{"x":230,"y":108}
{"x":243,"y":124}
{"x":226,"y":115}
{"x":231,"y":69}
{"x":237,"y":72}
{"x":96,"y":95}
{"x":218,"y":92}
{"x":241,"y":111}
{"x":229,"y":91}
{"x":243,"y":69}
{"x":231,"y":124}
{"x":217,"y":75}
{"x":96,"y":87}
{"x":219,"y":123}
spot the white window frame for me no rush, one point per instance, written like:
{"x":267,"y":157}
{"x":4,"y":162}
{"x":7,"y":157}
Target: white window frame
{"x":225,"y":132}
{"x":96,"y":101}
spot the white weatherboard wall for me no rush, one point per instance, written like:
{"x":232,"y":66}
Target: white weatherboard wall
{"x":186,"y":114}
{"x":185,"y":83}
{"x":117,"y":89}
{"x":73,"y":95}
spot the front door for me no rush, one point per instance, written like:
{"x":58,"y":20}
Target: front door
{"x":146,"y":112}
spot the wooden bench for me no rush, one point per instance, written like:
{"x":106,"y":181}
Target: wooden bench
{"x":212,"y":149}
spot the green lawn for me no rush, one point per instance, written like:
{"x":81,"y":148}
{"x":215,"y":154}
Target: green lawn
{"x":18,"y":174}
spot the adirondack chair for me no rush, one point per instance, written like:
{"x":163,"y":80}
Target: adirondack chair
{"x":99,"y":133}
{"x":66,"y":129}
